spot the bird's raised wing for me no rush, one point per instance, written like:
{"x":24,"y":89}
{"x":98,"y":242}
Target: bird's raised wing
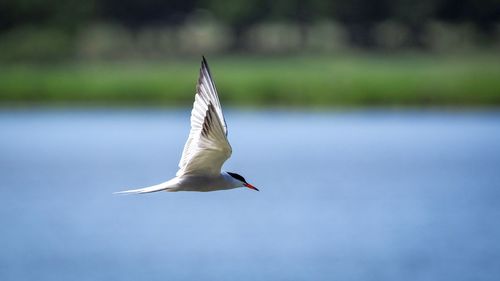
{"x":207,"y":147}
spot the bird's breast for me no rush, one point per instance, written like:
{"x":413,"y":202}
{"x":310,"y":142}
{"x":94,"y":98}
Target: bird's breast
{"x":203,"y":183}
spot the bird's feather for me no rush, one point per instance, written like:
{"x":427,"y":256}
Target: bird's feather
{"x":207,"y":147}
{"x":154,"y":188}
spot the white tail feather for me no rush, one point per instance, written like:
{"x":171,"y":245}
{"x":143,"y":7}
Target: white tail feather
{"x":154,"y":188}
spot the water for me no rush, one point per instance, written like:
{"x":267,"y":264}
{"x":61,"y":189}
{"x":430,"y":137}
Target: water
{"x":362,"y":195}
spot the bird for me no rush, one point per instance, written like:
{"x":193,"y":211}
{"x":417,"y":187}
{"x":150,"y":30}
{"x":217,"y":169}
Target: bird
{"x":206,"y":149}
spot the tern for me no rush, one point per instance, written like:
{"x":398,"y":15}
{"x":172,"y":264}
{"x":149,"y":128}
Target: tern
{"x":206,"y":149}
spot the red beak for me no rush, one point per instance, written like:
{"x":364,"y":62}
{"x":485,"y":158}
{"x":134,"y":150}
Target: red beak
{"x":251,"y":186}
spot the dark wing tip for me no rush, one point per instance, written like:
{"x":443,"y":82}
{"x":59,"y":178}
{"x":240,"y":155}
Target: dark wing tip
{"x":204,"y":62}
{"x":204,"y":65}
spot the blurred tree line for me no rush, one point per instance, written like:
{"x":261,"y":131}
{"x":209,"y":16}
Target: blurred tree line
{"x":52,"y":29}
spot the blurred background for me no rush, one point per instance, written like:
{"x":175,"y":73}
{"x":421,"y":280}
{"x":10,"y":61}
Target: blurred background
{"x":329,"y":53}
{"x":371,"y":128}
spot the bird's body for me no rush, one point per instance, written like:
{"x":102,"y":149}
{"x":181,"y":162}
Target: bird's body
{"x":206,"y":149}
{"x":202,"y":183}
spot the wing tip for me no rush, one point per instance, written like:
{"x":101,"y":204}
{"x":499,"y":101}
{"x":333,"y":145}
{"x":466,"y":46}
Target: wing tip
{"x":204,"y":62}
{"x":204,"y":65}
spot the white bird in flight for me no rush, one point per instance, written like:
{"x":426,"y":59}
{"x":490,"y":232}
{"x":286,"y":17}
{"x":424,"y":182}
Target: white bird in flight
{"x":206,"y":148}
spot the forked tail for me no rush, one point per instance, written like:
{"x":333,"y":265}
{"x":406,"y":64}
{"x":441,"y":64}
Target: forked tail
{"x":155,"y":188}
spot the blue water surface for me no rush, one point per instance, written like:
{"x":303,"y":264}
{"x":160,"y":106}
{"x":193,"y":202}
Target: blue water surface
{"x":355,"y":195}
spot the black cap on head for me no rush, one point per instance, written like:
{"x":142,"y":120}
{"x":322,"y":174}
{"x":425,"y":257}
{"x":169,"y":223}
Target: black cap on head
{"x":238,"y":177}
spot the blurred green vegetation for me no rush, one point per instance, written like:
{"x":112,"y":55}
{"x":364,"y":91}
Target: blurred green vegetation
{"x":352,"y":80}
{"x":63,"y":30}
{"x":262,"y":52}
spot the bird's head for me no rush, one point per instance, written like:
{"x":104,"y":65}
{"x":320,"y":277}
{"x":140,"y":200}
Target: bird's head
{"x":241,"y":181}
